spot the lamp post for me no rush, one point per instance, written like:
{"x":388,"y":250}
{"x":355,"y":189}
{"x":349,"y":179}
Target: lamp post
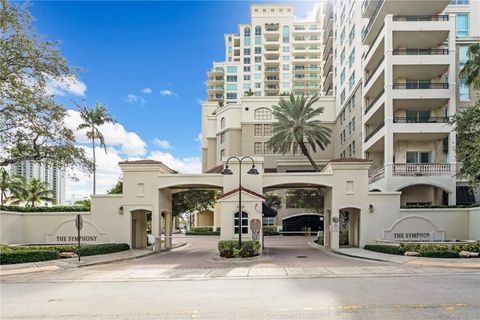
{"x":227,"y":171}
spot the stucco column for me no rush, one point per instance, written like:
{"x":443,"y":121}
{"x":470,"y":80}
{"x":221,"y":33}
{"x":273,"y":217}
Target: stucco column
{"x":165,"y":208}
{"x":168,"y":229}
{"x":327,"y":217}
{"x":216,"y":216}
{"x":335,"y":228}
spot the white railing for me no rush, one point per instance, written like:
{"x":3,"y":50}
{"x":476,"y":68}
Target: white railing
{"x":421,"y":169}
{"x":376,"y":174}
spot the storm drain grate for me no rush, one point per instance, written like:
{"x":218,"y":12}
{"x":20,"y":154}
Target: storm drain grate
{"x":302,"y":257}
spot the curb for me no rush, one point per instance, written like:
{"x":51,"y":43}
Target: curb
{"x":364,"y":258}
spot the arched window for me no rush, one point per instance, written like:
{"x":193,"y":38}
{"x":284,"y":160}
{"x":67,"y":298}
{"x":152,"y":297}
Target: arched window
{"x":222,"y":123}
{"x":258,"y":31}
{"x":246,"y":33}
{"x":286,"y":34}
{"x":244,"y":222}
{"x":263,"y":114}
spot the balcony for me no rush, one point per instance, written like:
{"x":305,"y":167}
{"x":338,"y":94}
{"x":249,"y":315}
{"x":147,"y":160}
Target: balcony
{"x":421,"y":120}
{"x":372,"y":73}
{"x":420,"y":85}
{"x":441,"y":17}
{"x":371,"y":103}
{"x":272,"y":70}
{"x":412,"y":51}
{"x":421,"y":169}
{"x":371,"y":134}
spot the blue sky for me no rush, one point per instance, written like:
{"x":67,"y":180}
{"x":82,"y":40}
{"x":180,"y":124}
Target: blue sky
{"x":147,"y":62}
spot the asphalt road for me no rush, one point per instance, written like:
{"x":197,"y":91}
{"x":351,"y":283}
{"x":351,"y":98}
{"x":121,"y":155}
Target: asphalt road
{"x":187,"y":283}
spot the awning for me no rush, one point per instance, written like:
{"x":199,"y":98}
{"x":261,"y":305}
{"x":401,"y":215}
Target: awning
{"x":267,"y":211}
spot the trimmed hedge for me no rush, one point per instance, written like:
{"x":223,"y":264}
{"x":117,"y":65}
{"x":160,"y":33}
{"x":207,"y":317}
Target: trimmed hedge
{"x":472,"y":247}
{"x":229,"y":248}
{"x":205,"y":233}
{"x":46,"y":209}
{"x":439,"y":254}
{"x":432,"y":206}
{"x":201,"y":229}
{"x":92,"y":250}
{"x":23,"y":256}
{"x":385,"y":249}
{"x":58,"y":248}
{"x":270,"y":231}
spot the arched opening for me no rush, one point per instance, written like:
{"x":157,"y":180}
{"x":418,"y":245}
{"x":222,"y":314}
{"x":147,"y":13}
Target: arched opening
{"x":141,"y":227}
{"x":302,"y":223}
{"x":349,"y":227}
{"x":423,"y":195}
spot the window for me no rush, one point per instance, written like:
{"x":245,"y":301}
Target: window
{"x":285,"y":67}
{"x":258,"y":76}
{"x":263,"y":114}
{"x":353,"y":124}
{"x":285,"y":58}
{"x":258,"y":59}
{"x":351,"y":36}
{"x":342,"y":56}
{"x":246,"y":77}
{"x":244,"y":222}
{"x":246,"y":68}
{"x":462,"y":25}
{"x":246,"y":51}
{"x":231,"y":78}
{"x":417,"y":116}
{"x":257,"y":130}
{"x":246,"y":41}
{"x":342,"y":137}
{"x":222,"y":138}
{"x":286,"y":34}
{"x":351,"y":58}
{"x":353,"y":149}
{"x":258,"y":40}
{"x":231,"y":95}
{"x":231,"y":86}
{"x":458,"y":2}
{"x":268,"y":221}
{"x":231,"y":69}
{"x":342,"y":36}
{"x":351,"y":81}
{"x":342,"y":96}
{"x":246,"y":60}
{"x":222,"y":123}
{"x":246,"y":86}
{"x":267,"y":130}
{"x":419,"y":157}
{"x":257,"y":85}
{"x":258,"y":31}
{"x":464,"y":90}
{"x":257,"y":148}
{"x":222,"y":154}
{"x":258,"y":50}
{"x":286,"y":49}
{"x":246,"y":32}
{"x":266,"y":148}
{"x":342,"y":76}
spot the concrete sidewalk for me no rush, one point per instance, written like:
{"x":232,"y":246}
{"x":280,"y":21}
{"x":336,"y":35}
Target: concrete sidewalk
{"x":469,"y":263}
{"x":20,"y":268}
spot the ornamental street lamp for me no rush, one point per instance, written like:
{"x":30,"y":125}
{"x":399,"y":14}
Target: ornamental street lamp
{"x":227,"y":171}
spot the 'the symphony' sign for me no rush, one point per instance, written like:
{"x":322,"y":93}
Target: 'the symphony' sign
{"x":414,"y":228}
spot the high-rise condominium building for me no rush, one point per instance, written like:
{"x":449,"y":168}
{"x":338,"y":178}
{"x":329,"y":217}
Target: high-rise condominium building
{"x":393,"y":69}
{"x":55,"y":177}
{"x":389,"y":83}
{"x":271,"y":56}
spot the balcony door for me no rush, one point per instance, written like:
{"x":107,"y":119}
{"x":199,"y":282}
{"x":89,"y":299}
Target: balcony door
{"x":419,"y":157}
{"x":417,"y":116}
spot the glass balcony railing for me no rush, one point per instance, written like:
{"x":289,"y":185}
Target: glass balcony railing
{"x":421,"y":85}
{"x":438,"y":17}
{"x":421,"y":120}
{"x":415,"y":52}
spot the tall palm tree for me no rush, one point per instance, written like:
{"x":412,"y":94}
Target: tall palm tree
{"x":471,"y":70}
{"x":35,"y":191}
{"x":296,"y":124}
{"x":93,"y":118}
{"x":10,"y":184}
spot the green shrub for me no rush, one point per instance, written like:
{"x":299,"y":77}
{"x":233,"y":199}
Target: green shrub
{"x":343,"y":238}
{"x":433,"y":247}
{"x":410,"y":246}
{"x":472,"y":247}
{"x":226,"y":248}
{"x":270,"y":231}
{"x":385,"y":249}
{"x":201,"y":229}
{"x":46,"y":209}
{"x":249,"y":249}
{"x":204,"y":233}
{"x":58,"y":248}
{"x":229,"y":248}
{"x":23,"y":256}
{"x":94,"y":249}
{"x":439,"y":254}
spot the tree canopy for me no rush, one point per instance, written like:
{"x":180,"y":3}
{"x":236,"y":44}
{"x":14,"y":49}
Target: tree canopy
{"x":32,"y":123}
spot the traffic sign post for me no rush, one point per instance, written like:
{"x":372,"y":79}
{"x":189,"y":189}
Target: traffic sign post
{"x":78,"y":225}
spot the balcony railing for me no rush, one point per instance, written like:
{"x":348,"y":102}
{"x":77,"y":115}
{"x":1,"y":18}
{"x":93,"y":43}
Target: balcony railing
{"x":420,"y":85}
{"x":414,"y":52}
{"x":380,"y":126}
{"x":371,"y":103}
{"x":421,"y":120}
{"x":440,"y":17}
{"x":366,"y":29}
{"x":421,"y":169}
{"x":370,"y":75}
{"x":373,"y":42}
{"x":376,"y":174}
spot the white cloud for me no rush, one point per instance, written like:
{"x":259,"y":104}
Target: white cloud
{"x":164,"y":144}
{"x":108,"y":173}
{"x":115,"y":135}
{"x":66,"y":85}
{"x":182,"y":165}
{"x":199,"y":137}
{"x":147,"y":90}
{"x":131,"y":98}
{"x":310,"y":15}
{"x":166,"y":92}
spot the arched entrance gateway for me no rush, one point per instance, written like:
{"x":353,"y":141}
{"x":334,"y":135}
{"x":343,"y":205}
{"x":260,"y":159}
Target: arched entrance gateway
{"x":148,"y":187}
